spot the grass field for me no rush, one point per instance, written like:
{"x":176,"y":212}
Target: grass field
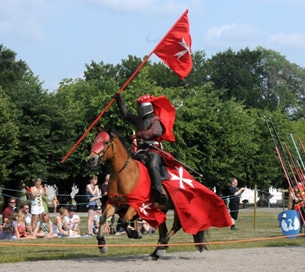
{"x":261,"y":230}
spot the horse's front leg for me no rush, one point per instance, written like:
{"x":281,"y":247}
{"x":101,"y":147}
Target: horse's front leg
{"x":110,"y":210}
{"x":130,"y":231}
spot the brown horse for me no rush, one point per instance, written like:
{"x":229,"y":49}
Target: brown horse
{"x":128,"y":197}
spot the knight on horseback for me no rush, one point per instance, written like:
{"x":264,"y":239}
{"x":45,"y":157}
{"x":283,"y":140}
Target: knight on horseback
{"x":151,"y":131}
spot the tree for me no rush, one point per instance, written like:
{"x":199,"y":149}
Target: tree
{"x":8,"y":136}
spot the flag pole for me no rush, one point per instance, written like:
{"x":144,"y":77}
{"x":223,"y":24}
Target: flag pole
{"x":120,"y":91}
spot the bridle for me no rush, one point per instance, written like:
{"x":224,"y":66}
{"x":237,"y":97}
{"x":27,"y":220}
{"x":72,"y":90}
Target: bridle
{"x":101,"y":154}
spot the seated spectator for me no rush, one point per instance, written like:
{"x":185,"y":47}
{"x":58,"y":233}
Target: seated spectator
{"x":25,"y":209}
{"x":143,"y":226}
{"x":72,"y":222}
{"x":9,"y":209}
{"x":9,"y":229}
{"x":96,"y":221}
{"x":22,"y":227}
{"x":59,"y":224}
{"x":44,"y":227}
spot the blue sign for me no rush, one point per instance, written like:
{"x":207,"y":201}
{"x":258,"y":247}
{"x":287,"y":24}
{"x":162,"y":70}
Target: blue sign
{"x":290,"y":223}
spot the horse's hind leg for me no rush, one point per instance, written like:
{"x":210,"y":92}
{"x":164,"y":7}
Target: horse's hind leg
{"x":200,"y":238}
{"x":164,"y":237}
{"x":130,"y":231}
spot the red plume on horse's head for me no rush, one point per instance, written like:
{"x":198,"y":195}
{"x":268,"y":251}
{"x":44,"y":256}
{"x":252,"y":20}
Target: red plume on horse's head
{"x":101,"y":138}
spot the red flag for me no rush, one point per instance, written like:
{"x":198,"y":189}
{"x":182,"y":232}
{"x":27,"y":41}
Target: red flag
{"x":175,"y":48}
{"x":197,"y":206}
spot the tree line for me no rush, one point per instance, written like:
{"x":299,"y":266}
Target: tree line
{"x":220,"y":109}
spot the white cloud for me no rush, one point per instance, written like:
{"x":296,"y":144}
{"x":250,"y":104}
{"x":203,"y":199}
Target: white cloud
{"x":292,"y":40}
{"x":232,"y":34}
{"x":23,"y":18}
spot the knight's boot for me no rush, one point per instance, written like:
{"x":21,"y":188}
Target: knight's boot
{"x":159,"y":196}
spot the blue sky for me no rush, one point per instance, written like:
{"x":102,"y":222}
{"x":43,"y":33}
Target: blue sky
{"x":56,"y":38}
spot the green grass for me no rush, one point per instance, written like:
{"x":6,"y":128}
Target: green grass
{"x":264,"y":231}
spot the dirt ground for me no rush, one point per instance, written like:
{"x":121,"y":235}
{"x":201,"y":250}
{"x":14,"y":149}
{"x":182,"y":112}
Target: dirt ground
{"x":238,"y":260}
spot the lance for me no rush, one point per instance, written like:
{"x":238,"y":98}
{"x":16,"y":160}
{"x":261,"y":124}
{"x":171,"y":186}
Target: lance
{"x":298,"y":153}
{"x":121,"y":90}
{"x":295,"y":187}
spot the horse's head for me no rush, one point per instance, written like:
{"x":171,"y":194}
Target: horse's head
{"x":99,"y":149}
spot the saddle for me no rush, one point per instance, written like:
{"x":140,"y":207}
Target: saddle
{"x":142,"y":155}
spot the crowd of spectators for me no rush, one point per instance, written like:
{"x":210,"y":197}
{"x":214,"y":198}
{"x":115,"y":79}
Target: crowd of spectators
{"x":28,"y":218}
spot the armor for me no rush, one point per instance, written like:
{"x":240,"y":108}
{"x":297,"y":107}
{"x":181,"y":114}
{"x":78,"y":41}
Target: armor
{"x":149,"y":130}
{"x":145,"y":108}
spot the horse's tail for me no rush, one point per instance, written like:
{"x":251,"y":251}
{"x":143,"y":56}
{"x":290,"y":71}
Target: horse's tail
{"x":200,"y":237}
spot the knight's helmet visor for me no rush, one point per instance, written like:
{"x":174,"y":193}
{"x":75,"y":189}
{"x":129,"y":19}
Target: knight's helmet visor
{"x":145,"y":108}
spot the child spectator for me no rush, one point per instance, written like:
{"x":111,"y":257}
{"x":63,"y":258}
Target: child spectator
{"x":22,"y":226}
{"x":143,"y":226}
{"x":44,"y":227}
{"x":25,"y":209}
{"x":10,"y":230}
{"x":55,"y":204}
{"x":96,"y":221}
{"x":71,"y":222}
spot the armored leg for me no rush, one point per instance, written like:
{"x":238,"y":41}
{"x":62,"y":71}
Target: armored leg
{"x":153,"y":166}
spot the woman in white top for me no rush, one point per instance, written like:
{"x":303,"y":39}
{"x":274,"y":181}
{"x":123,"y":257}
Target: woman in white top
{"x":37,"y":192}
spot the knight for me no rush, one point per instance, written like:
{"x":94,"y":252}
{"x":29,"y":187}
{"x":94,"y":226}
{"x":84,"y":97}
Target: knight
{"x":154,"y":123}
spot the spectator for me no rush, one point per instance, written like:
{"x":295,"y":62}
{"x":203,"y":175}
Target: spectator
{"x":143,"y":226}
{"x":45,"y":200}
{"x":72,"y":222}
{"x":93,"y":196}
{"x":55,"y":203}
{"x":234,"y":198}
{"x":25,"y":209}
{"x":37,"y":192}
{"x":59,"y":224}
{"x":96,"y":222}
{"x":44,"y":227}
{"x":21,"y":225}
{"x":10,"y":230}
{"x":9,"y":209}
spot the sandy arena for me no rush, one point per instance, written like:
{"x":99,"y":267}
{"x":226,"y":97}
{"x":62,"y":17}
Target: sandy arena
{"x":230,"y":260}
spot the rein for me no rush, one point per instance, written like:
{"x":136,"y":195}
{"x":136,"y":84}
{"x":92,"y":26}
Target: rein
{"x":126,"y":162}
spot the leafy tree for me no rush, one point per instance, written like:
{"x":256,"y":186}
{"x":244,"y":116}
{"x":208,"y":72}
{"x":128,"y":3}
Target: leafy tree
{"x":8,"y":135}
{"x":11,"y":71}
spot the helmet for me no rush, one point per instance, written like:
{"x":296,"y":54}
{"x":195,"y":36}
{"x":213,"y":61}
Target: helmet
{"x":145,"y":108}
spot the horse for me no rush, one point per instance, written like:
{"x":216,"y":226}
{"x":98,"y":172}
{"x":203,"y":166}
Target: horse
{"x":129,"y":196}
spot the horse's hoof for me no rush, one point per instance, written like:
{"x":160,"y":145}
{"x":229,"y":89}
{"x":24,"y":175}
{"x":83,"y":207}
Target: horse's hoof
{"x":160,"y":252}
{"x":201,"y":248}
{"x":103,"y":249}
{"x":135,"y":234}
{"x":153,"y":257}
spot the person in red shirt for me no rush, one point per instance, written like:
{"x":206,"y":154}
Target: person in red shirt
{"x":9,"y":209}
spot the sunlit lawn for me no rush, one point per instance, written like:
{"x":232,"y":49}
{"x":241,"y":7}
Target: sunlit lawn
{"x":264,"y":231}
